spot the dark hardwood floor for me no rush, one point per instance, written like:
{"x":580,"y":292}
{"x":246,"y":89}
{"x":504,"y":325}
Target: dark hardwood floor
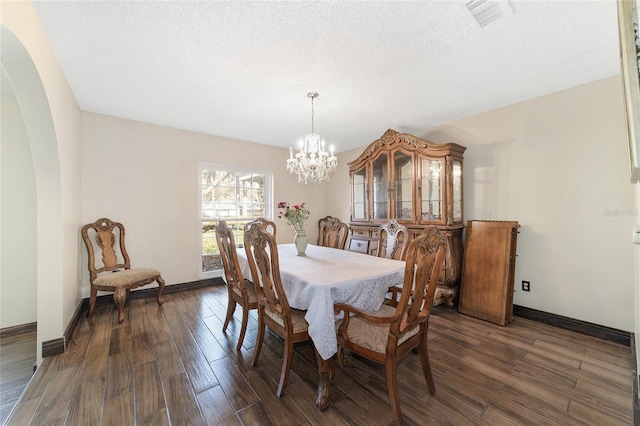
{"x":173,"y":365}
{"x":17,"y":358}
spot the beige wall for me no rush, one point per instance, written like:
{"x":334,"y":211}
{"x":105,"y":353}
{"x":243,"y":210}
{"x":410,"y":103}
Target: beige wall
{"x":558,"y":165}
{"x":52,"y":120}
{"x":18,"y":246}
{"x":146,"y":177}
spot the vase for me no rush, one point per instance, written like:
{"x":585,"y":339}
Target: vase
{"x":301,"y":241}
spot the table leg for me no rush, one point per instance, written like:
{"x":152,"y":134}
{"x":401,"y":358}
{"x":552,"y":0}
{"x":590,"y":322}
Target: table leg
{"x":325,"y":374}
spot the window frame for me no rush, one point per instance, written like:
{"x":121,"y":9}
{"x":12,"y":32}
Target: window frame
{"x":269,"y":197}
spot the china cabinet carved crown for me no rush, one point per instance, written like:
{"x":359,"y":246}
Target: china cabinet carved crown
{"x":416,"y":182}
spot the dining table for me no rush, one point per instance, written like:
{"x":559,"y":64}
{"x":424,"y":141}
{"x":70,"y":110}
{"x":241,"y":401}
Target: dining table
{"x":326,"y":276}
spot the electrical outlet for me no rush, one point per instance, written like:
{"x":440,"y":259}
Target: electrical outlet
{"x":526,"y":286}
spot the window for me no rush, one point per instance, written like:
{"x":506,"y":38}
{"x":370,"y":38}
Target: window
{"x":236,"y":196}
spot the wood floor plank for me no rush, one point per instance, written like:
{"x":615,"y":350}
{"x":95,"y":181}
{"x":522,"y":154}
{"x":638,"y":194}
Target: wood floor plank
{"x":119,"y":375}
{"x":279,"y":410}
{"x":181,"y":401}
{"x":17,"y":358}
{"x":593,"y":416}
{"x":552,"y":414}
{"x":255,"y":414}
{"x":541,"y":392}
{"x":216,"y":408}
{"x":148,"y":390}
{"x":118,"y":410}
{"x":86,"y":404}
{"x":603,"y":400}
{"x":141,"y":339}
{"x":195,"y":363}
{"x":54,"y":404}
{"x":94,"y":363}
{"x":207,"y":342}
{"x":611,"y":382}
{"x":44,"y":374}
{"x":158,"y":418}
{"x":169,"y":361}
{"x":120,"y":340}
{"x":157,"y":325}
{"x":23,"y":412}
{"x":234,"y":384}
{"x":304,"y":396}
{"x":75,"y":352}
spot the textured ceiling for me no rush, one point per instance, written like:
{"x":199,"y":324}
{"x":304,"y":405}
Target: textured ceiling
{"x":243,"y":69}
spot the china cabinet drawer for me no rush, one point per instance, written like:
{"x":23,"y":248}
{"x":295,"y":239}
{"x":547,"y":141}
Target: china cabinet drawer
{"x":360,"y":232}
{"x":360,"y":246}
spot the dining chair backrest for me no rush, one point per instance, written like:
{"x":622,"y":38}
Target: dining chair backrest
{"x":262,"y":256}
{"x":392,"y":240}
{"x":270,"y":226}
{"x":230,"y":264}
{"x":332,"y":232}
{"x":424,"y":260}
{"x":239,"y":290}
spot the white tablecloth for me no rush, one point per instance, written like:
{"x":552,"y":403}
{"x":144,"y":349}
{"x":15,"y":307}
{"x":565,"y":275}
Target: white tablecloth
{"x":327,"y":276}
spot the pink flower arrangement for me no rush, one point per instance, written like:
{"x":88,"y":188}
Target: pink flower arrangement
{"x":294,"y":215}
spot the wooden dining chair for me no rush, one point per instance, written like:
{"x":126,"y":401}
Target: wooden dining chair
{"x":273,"y":307}
{"x":332,"y":232}
{"x":240,"y":291}
{"x":392,"y":240}
{"x":111,"y":270}
{"x":388,"y":334}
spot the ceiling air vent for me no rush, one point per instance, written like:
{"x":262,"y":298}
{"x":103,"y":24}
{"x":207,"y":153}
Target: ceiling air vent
{"x":484,"y":12}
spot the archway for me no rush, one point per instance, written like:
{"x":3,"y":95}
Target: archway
{"x":32,"y":98}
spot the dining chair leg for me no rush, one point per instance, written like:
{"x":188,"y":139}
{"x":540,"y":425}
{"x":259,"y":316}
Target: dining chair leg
{"x":286,"y":366}
{"x":243,"y":328}
{"x":120,"y":297}
{"x":426,"y":365}
{"x":258,"y":347}
{"x":392,"y":389}
{"x":92,"y":300}
{"x":160,"y":290}
{"x":231,"y":308}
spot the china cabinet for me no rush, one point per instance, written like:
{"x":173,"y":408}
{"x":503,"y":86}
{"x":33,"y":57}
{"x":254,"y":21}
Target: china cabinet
{"x":418,"y":183}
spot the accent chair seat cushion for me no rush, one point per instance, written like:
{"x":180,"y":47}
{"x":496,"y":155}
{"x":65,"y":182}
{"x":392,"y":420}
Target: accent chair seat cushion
{"x":374,"y":336}
{"x":297,"y":319}
{"x":251,"y":291}
{"x":125,"y":277}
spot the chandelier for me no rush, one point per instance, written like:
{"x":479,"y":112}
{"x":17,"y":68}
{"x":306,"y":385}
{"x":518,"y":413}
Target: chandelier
{"x":312,"y":162}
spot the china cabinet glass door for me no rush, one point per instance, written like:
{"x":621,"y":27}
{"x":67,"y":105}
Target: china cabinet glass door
{"x":380,"y":190}
{"x":359,"y":201}
{"x":457,"y":191}
{"x":403,"y":185}
{"x":432,"y":190}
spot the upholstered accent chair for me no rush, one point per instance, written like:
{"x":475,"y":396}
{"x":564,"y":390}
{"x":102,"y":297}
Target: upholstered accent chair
{"x":388,"y":334}
{"x":240,"y":291}
{"x":273,"y":307}
{"x":392,"y":240}
{"x":111,"y":270}
{"x":332,"y":232}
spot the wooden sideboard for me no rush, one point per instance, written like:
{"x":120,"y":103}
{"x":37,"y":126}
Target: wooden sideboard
{"x":418,"y":183}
